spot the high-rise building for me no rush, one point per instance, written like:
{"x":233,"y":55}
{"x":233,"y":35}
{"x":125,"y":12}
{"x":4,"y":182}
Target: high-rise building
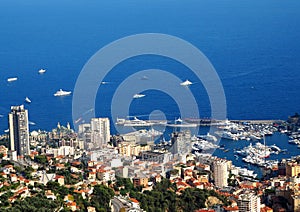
{"x":181,"y":142}
{"x":292,"y":169}
{"x":19,"y":130}
{"x":100,"y":132}
{"x":249,"y":202}
{"x":220,"y":172}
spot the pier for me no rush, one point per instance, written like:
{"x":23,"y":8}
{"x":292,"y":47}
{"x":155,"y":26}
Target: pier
{"x":197,"y":122}
{"x":211,"y":122}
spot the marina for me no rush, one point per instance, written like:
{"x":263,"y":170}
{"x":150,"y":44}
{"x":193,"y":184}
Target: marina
{"x":226,"y":124}
{"x":253,"y":154}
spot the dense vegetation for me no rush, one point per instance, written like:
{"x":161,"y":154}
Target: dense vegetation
{"x":163,"y":197}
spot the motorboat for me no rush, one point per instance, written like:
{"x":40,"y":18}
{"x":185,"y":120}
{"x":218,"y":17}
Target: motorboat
{"x":137,"y":96}
{"x":186,"y":83}
{"x":11,"y":79}
{"x":27,"y":100}
{"x":209,"y":137}
{"x":275,"y":148}
{"x":42,"y":71}
{"x":62,"y":93}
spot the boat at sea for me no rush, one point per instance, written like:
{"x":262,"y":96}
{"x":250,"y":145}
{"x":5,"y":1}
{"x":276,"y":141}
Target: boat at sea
{"x":42,"y":71}
{"x":11,"y":79}
{"x":62,"y":93}
{"x":137,"y":96}
{"x":27,"y":100}
{"x":186,"y":83}
{"x":31,"y":123}
{"x":144,"y":78}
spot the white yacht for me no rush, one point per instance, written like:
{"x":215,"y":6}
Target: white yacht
{"x":27,"y":100}
{"x":136,"y":96}
{"x":209,"y":137}
{"x":12,"y":79}
{"x":62,"y":93}
{"x":186,"y":83}
{"x":42,"y":71}
{"x":180,"y":123}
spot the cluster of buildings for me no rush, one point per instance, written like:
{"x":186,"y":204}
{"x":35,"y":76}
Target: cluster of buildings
{"x":135,"y":156}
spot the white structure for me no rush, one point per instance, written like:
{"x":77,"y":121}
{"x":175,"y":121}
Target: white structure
{"x":181,"y":145}
{"x":220,"y":172}
{"x":19,"y":130}
{"x":100,"y":132}
{"x":63,"y":150}
{"x":249,"y":202}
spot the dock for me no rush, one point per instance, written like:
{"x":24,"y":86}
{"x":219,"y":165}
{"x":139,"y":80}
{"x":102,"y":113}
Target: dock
{"x":211,"y":122}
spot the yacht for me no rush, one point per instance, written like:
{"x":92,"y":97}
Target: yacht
{"x":133,"y":123}
{"x":209,"y":137}
{"x":186,"y":83}
{"x":144,"y":78}
{"x":136,"y":96}
{"x":27,"y":100}
{"x":180,"y":123}
{"x":227,"y":135}
{"x":275,"y":148}
{"x":62,"y":93}
{"x":12,"y":79}
{"x":42,"y":71}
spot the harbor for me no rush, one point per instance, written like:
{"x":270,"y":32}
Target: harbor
{"x":254,"y":145}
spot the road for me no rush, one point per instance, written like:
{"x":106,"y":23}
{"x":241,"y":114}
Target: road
{"x":117,"y":204}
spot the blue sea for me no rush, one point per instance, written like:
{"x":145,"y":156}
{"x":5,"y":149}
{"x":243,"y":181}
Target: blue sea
{"x":253,"y":45}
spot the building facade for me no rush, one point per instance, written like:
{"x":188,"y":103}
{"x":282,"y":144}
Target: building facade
{"x":220,"y":172}
{"x":100,"y":132}
{"x":19,"y":130}
{"x":249,"y":202}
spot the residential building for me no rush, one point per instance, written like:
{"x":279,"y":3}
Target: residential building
{"x":249,"y":202}
{"x":100,"y":132}
{"x":220,"y":172}
{"x":19,"y":130}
